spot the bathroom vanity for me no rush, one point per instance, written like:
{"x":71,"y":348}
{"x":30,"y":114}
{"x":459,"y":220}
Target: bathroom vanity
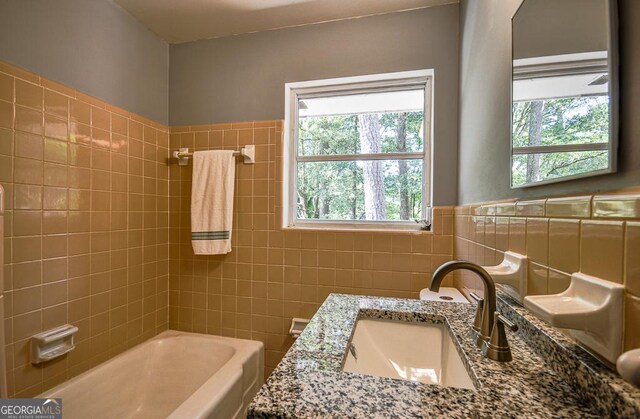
{"x":549,"y":376}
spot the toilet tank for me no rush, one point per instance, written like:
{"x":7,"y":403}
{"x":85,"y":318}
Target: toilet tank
{"x":443,"y":295}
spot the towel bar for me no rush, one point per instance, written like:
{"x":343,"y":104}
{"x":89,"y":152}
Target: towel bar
{"x":248,"y":152}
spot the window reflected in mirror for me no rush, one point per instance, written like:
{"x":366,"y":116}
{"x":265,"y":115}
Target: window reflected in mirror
{"x":562,"y":124}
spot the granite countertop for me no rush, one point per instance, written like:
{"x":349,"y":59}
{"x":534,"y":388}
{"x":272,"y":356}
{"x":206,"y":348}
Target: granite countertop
{"x":550,"y":378}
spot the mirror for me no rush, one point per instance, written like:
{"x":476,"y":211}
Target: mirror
{"x":564,"y":91}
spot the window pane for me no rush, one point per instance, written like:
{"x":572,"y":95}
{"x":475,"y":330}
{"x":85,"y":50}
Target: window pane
{"x":370,"y":190}
{"x":386,"y":122}
{"x":574,"y":120}
{"x":527,"y":168}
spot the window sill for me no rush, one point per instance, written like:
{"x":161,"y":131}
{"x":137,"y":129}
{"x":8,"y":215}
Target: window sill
{"x":363,"y":229}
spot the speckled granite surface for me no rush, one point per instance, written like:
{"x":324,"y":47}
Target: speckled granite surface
{"x":593,"y":381}
{"x":309,"y":381}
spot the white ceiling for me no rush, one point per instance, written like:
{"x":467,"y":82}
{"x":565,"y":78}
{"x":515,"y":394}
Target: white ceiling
{"x":178,"y":21}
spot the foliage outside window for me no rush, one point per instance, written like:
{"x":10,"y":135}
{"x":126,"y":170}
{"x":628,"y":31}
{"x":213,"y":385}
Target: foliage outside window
{"x":357,"y":152}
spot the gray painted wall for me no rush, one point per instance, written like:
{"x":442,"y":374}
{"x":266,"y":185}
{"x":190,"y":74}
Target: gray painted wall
{"x":91,"y":45}
{"x":241,"y":78}
{"x":485,"y":77}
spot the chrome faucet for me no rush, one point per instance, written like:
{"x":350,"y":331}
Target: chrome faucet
{"x":489,"y":324}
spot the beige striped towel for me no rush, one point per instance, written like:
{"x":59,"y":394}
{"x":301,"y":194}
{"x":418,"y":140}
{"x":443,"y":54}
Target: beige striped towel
{"x":212,"y":201}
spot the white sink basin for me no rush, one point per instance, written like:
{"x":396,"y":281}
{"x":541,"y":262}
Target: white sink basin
{"x":407,"y":351}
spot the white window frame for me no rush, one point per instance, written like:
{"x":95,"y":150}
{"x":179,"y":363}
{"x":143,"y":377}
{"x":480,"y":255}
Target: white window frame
{"x":376,"y":82}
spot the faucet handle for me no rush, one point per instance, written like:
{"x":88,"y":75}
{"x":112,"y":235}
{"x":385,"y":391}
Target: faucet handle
{"x":512,"y":326}
{"x":497,"y":348}
{"x":475,"y":297}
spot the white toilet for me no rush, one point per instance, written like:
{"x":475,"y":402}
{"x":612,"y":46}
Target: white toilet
{"x":447,"y":294}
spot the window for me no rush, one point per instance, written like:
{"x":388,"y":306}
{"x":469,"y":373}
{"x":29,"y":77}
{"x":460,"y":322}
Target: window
{"x":357,"y":152}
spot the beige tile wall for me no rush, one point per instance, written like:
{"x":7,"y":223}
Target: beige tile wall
{"x":86,"y":225}
{"x":273,"y":275}
{"x":597,"y":235}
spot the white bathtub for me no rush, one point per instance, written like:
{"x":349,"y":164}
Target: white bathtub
{"x":175,"y":375}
